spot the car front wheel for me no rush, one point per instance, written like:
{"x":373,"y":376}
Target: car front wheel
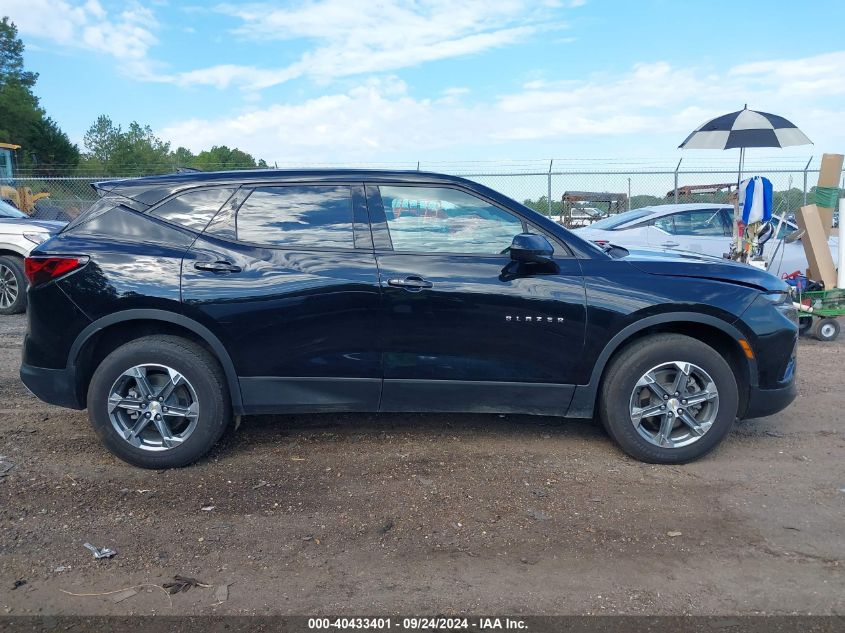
{"x":159,"y":402}
{"x":668,"y":399}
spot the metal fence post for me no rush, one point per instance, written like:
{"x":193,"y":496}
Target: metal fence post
{"x":549,"y":201}
{"x":806,"y":167}
{"x":676,"y":179}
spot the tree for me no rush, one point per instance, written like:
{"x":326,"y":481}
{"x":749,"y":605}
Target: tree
{"x":221,"y":158}
{"x":11,"y":56}
{"x":114,"y":152}
{"x":183,"y":157}
{"x":45,"y":148}
{"x":101,"y":139}
{"x":50,"y":151}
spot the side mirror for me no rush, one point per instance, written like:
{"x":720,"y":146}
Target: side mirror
{"x":529,"y":247}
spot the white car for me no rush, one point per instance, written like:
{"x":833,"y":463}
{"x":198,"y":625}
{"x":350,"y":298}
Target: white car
{"x":19,"y":234}
{"x":700,"y":228}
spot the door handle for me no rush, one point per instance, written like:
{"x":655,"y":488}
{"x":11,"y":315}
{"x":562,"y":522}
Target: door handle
{"x":218,"y":267}
{"x":670,"y":244}
{"x":412,"y":282}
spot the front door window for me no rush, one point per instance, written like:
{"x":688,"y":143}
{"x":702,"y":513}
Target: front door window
{"x":442,"y":220}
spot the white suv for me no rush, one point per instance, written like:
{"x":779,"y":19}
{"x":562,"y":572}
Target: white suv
{"x":19,"y":234}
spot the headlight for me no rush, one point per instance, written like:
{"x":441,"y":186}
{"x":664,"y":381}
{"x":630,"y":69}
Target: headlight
{"x":782,"y":301}
{"x":778,"y":298}
{"x":36,"y":238}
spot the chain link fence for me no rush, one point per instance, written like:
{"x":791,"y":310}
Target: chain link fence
{"x":570,"y":195}
{"x":592,"y":192}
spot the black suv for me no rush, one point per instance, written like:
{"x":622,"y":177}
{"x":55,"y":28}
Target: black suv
{"x":177,"y":303}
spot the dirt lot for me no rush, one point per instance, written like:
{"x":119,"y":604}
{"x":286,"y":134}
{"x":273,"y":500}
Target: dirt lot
{"x":361,"y":514}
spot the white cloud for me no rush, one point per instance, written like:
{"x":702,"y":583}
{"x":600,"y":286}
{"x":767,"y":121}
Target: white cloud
{"x":339,"y":38}
{"x":352,"y":38}
{"x":652,"y":106}
{"x":821,"y":74}
{"x":126,"y":35}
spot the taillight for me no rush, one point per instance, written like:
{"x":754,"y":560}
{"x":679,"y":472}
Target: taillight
{"x":41,"y":269}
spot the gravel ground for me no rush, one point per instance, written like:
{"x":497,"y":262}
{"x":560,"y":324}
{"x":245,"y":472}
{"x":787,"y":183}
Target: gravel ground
{"x":427,"y":514}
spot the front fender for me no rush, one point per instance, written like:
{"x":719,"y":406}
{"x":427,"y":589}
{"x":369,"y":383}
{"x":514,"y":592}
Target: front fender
{"x":584,"y":400}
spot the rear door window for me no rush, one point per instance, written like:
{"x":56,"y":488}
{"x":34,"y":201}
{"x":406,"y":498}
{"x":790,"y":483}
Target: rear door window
{"x":194,"y":209}
{"x":303,"y":216}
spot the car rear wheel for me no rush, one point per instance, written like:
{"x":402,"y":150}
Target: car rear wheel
{"x":12,"y":286}
{"x":159,"y":402}
{"x":668,"y":399}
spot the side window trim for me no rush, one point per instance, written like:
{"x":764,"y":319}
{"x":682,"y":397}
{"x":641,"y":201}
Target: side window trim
{"x":727,"y":228}
{"x":378,"y":220}
{"x":222,"y":225}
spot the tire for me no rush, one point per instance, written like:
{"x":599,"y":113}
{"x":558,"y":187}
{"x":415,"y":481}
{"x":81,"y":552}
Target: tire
{"x":200,"y":391}
{"x":805,"y":323}
{"x":13,"y":286}
{"x":624,"y":386}
{"x":826,"y":329}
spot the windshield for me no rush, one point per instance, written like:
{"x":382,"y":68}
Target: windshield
{"x":608,"y":224}
{"x":8,"y":211}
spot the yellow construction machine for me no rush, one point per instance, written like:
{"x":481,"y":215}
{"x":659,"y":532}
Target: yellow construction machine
{"x":20,"y":197}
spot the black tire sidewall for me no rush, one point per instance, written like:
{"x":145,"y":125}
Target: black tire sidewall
{"x":198,"y":369}
{"x":623,"y":376}
{"x":16,"y":266}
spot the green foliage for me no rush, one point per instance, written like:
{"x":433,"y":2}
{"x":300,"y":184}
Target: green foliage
{"x":541,"y":205}
{"x":113,"y":151}
{"x":46,"y":150}
{"x":221,"y":158}
{"x":11,"y":56}
{"x":50,"y":150}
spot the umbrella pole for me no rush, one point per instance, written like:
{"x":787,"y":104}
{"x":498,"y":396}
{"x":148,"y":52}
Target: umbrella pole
{"x":741,"y":162}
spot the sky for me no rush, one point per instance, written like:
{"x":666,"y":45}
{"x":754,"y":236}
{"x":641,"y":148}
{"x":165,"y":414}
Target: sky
{"x":333,"y":81}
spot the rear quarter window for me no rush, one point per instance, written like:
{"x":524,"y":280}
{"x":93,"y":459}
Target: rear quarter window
{"x":193,"y":209}
{"x":101,"y":206}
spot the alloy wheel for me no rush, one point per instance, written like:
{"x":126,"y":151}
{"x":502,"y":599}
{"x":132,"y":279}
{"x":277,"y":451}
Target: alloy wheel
{"x":8,"y":287}
{"x":674,"y":404}
{"x":153,"y":407}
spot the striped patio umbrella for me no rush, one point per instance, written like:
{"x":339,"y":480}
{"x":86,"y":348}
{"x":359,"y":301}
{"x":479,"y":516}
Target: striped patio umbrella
{"x":745,"y":128}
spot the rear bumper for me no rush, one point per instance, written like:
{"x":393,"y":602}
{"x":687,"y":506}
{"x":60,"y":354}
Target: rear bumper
{"x":763,"y":402}
{"x":53,"y":386}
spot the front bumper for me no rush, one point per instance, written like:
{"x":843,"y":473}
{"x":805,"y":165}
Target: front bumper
{"x":53,"y":386}
{"x":763,"y":402}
